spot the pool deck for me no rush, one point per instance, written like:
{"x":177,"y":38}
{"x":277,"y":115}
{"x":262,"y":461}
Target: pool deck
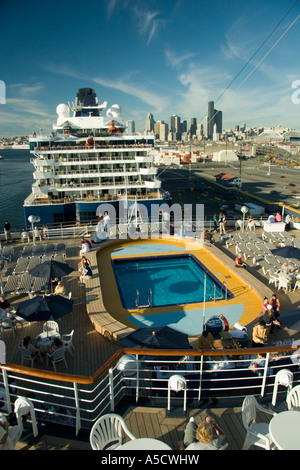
{"x":109,"y":318}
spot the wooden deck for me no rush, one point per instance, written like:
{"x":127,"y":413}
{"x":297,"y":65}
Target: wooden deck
{"x":92,"y":350}
{"x":157,"y":423}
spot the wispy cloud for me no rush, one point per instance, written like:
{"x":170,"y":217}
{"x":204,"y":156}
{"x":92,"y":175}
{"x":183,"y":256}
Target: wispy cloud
{"x":174,"y":59}
{"x":159,"y":103}
{"x":148,"y":22}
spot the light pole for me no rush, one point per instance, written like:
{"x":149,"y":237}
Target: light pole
{"x":33,"y":219}
{"x":244,"y":210}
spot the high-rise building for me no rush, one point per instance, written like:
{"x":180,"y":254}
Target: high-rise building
{"x":175,"y":127}
{"x":213,"y":117}
{"x":130,"y":126}
{"x":150,"y":123}
{"x":193,"y":128}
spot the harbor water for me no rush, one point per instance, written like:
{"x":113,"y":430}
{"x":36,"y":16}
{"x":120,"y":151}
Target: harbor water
{"x":15,"y":185}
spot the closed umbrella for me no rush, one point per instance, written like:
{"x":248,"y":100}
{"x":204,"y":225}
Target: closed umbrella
{"x":50,"y":307}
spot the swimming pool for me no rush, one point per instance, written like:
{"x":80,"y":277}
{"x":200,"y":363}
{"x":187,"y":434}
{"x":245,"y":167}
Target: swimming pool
{"x":158,"y":281}
{"x":242,"y":304}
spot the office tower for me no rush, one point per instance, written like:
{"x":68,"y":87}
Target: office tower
{"x":183,"y":127}
{"x":150,"y":123}
{"x":130,"y":126}
{"x":193,"y":127}
{"x":175,"y":127}
{"x":213,"y":117}
{"x":163,"y":131}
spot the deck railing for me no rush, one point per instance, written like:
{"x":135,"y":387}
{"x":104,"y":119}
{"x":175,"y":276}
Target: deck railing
{"x":145,"y":374}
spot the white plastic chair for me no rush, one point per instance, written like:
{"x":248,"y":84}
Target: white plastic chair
{"x":284,"y":283}
{"x":297,"y":285}
{"x":257,"y":433}
{"x":273,"y":277}
{"x":283,"y":377}
{"x":67,"y":339}
{"x":293,"y":399}
{"x":22,"y":407}
{"x":26,"y":355}
{"x":57,"y":356}
{"x":51,"y":325}
{"x":107,"y":432}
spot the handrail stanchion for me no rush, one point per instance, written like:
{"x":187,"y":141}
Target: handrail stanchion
{"x":6,"y":387}
{"x":111,"y":390}
{"x":263,"y":385}
{"x":77,"y":404}
{"x":200,"y":377}
{"x":137,"y":378}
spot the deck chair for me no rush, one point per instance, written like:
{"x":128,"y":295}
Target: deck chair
{"x":67,"y":339}
{"x":7,"y":252}
{"x":273,"y":277}
{"x":25,"y":284}
{"x":293,"y":398}
{"x":26,"y":356}
{"x":33,"y":261}
{"x":284,"y":283}
{"x":283,"y":377}
{"x":57,"y":356}
{"x":107,"y":432}
{"x":257,"y":433}
{"x":25,"y":236}
{"x":8,"y":324}
{"x":60,"y":248}
{"x":39,"y":250}
{"x":12,"y":284}
{"x":40,"y":284}
{"x":21,"y":265}
{"x":27,"y":251}
{"x":51,"y":325}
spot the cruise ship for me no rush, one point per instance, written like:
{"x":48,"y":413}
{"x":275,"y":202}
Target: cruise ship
{"x":89,"y":160}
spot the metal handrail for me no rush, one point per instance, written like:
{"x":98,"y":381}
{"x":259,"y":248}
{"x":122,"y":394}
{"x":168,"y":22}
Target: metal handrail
{"x":90,"y":397}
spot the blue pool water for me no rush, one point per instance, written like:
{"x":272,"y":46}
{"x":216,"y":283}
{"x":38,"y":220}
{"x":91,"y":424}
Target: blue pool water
{"x":164,"y":280}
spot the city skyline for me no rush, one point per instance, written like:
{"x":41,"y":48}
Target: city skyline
{"x":164,"y":58}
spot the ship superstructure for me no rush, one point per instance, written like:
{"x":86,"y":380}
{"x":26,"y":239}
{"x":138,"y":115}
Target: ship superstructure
{"x":89,"y":159}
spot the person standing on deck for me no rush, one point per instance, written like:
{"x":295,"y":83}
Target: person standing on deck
{"x":7,"y":233}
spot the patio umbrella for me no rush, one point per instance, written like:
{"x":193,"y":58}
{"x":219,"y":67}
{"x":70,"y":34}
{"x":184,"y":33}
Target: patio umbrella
{"x":51,"y":269}
{"x":289,"y":252}
{"x":291,"y":319}
{"x":50,"y":307}
{"x":162,"y":337}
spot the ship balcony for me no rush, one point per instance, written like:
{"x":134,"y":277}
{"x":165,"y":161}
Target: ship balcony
{"x":41,"y":175}
{"x":153,"y":184}
{"x":144,"y":159}
{"x":148,"y":171}
{"x":37,"y":162}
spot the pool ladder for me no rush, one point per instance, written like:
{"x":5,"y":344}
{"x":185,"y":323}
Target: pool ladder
{"x":137,"y":299}
{"x":214,"y":298}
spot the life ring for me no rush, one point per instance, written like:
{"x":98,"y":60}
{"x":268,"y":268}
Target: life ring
{"x":226,"y":324}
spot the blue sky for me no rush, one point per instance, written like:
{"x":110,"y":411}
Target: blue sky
{"x":165,"y":57}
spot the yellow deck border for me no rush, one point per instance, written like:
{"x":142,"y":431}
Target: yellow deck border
{"x":243,"y":290}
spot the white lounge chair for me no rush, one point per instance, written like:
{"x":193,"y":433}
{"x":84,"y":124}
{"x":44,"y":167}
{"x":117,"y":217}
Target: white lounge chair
{"x":257,"y":433}
{"x":107,"y":432}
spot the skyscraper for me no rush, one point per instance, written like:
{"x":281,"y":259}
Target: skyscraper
{"x":150,"y":123}
{"x":213,"y":117}
{"x":175,"y":127}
